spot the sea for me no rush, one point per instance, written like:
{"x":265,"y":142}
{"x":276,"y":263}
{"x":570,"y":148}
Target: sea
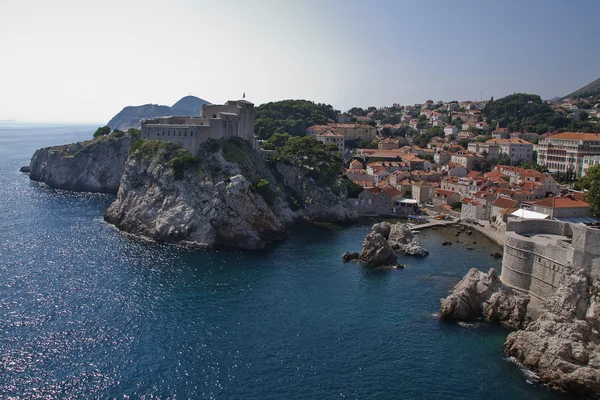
{"x":89,"y":313}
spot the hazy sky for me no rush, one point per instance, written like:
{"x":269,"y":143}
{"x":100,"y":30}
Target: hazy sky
{"x":85,"y":60}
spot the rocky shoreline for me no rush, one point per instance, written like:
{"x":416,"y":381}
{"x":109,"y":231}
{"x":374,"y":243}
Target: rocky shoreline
{"x":561,"y":346}
{"x":226,"y":196}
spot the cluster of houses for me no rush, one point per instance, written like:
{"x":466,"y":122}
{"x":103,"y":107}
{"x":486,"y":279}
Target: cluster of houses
{"x":402,"y":177}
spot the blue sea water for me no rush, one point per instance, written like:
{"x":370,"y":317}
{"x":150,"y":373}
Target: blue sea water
{"x":86,"y":312}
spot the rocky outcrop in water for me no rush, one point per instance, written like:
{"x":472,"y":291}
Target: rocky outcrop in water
{"x":562,"y":346}
{"x":403,"y":240}
{"x":376,"y":251}
{"x":385,"y":241}
{"x":227,"y":196}
{"x":480,"y":295}
{"x":93,"y":166}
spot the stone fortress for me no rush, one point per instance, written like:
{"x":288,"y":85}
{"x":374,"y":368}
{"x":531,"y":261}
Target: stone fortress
{"x":538,"y":252}
{"x":235,"y":118}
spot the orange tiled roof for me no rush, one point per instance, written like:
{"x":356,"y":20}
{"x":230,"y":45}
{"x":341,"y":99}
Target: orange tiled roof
{"x":504,"y":202}
{"x":576,"y":136}
{"x":561,"y":202}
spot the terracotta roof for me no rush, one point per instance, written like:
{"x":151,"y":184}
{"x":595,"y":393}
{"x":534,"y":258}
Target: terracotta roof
{"x":561,"y":202}
{"x":393,"y":192}
{"x":504,"y":202}
{"x":530,"y":185}
{"x":576,"y":136}
{"x":421,"y":183}
{"x":446,"y":192}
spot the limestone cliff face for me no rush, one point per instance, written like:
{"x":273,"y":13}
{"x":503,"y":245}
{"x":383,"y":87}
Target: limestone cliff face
{"x":318,"y":203}
{"x":482,"y":295}
{"x":92,"y":166}
{"x":227,"y":196}
{"x":562,"y":346}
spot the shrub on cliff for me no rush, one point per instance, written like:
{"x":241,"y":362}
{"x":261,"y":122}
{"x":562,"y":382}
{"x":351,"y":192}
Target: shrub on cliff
{"x":180,"y":163}
{"x":102,"y":131}
{"x":262,"y":187}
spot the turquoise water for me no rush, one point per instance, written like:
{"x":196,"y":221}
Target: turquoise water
{"x":86,"y":312}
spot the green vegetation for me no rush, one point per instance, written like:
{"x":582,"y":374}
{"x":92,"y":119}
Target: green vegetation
{"x":306,"y":152}
{"x":527,"y":112}
{"x":422,"y":139}
{"x":180,"y":163}
{"x":117,"y":133}
{"x":102,"y":131}
{"x":354,"y":189}
{"x":290,"y":116}
{"x":293,"y":203}
{"x":167,"y":153}
{"x":262,"y":188}
{"x":456,"y":206}
{"x":134,"y":133}
{"x":235,"y":152}
{"x":591,"y":89}
{"x":276,"y":140}
{"x":591,"y":183}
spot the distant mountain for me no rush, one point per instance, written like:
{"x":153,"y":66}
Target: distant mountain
{"x":130,"y":116}
{"x":591,"y":89}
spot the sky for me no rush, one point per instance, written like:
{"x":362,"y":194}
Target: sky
{"x":83,"y":61}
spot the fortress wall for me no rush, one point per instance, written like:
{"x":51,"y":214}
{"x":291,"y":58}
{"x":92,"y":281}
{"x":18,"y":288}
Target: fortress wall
{"x":539,"y":226}
{"x":549,"y":265}
{"x":208,"y":110}
{"x":517,"y":262}
{"x":184,"y":134}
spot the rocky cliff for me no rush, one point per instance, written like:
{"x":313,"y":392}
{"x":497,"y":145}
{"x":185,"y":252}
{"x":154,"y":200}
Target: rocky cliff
{"x":562,"y":346}
{"x":227,"y":196}
{"x":318,"y":203}
{"x":480,"y":295}
{"x":92,"y":166}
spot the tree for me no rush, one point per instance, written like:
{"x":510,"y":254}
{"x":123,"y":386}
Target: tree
{"x":102,"y":131}
{"x":291,"y":116}
{"x":464,"y":143}
{"x":276,"y":141}
{"x":591,"y":183}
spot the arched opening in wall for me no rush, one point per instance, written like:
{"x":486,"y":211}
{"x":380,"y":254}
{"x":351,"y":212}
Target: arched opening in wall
{"x":214,"y":115}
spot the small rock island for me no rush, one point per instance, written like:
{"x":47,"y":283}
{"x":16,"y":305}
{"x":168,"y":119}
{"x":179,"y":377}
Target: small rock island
{"x":384,"y":242}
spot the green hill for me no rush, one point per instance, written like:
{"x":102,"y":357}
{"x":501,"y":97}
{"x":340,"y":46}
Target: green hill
{"x":591,"y":89}
{"x":290,"y":116}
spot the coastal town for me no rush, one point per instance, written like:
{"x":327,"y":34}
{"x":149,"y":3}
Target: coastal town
{"x":467,"y":169}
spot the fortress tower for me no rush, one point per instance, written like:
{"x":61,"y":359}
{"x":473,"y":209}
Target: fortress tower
{"x":537,"y":253}
{"x":235,"y":118}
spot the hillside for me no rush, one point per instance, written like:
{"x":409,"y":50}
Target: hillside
{"x":591,"y":89}
{"x":130,"y":116}
{"x":290,"y":116}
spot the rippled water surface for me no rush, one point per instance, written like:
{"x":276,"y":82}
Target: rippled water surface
{"x":86,"y":312}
